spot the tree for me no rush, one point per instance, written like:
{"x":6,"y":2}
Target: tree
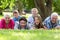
{"x":4,"y":4}
{"x":56,"y":6}
{"x":44,"y":6}
{"x":19,"y":6}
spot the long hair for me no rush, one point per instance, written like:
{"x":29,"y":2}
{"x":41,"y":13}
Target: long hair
{"x":40,"y":25}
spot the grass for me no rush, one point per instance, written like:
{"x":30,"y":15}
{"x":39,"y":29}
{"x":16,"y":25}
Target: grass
{"x":29,"y":34}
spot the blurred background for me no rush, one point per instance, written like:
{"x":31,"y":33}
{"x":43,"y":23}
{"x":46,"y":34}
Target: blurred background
{"x":24,"y":7}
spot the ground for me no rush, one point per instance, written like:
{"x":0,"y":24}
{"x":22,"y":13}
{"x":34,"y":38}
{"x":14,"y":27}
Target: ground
{"x":29,"y":34}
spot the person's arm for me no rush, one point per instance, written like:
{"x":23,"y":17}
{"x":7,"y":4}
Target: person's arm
{"x":1,"y":24}
{"x":47,"y":25}
{"x":16,"y":26}
{"x":29,"y":22}
{"x":58,"y":25}
{"x":12,"y":27}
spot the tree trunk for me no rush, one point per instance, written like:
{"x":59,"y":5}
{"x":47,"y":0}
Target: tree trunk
{"x":19,"y":6}
{"x":44,"y":7}
{"x":1,"y":11}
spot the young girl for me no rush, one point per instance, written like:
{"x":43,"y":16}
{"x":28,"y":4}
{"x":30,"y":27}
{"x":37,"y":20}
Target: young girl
{"x":38,"y":23}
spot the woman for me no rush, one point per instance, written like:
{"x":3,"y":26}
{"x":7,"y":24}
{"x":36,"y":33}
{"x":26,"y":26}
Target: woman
{"x":34,"y":12}
{"x":7,"y":22}
{"x":38,"y":23}
{"x":22,"y":24}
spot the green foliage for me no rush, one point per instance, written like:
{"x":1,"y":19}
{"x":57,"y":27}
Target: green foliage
{"x":28,"y":4}
{"x":11,"y":4}
{"x":3,"y":4}
{"x":56,"y":5}
{"x":6,"y":3}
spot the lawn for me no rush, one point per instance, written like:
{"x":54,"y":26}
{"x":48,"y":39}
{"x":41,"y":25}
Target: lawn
{"x":29,"y":34}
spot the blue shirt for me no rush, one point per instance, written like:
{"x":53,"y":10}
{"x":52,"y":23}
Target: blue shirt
{"x":47,"y":22}
{"x":16,"y":19}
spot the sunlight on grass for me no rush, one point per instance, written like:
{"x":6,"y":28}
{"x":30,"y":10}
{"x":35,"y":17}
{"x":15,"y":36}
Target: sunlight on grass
{"x":29,"y":34}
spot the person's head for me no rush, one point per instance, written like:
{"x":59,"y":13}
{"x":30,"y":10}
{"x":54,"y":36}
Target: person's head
{"x":15,"y":13}
{"x":7,"y":18}
{"x":23,"y":21}
{"x":37,"y":20}
{"x":54,"y":17}
{"x":34,"y":11}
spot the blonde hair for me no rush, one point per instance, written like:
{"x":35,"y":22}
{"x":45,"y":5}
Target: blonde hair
{"x":34,"y":9}
{"x":40,"y":19}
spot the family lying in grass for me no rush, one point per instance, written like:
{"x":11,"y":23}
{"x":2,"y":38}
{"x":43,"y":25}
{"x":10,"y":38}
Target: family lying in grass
{"x":33,"y":22}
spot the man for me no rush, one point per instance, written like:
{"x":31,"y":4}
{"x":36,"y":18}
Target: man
{"x":52,"y":21}
{"x":22,"y":24}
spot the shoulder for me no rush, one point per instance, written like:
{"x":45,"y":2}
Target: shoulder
{"x":2,"y":20}
{"x":16,"y":26}
{"x":30,"y":16}
{"x":11,"y":20}
{"x":47,"y":19}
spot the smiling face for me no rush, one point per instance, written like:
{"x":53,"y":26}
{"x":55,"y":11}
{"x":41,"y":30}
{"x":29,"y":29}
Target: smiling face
{"x":15,"y":14}
{"x":23,"y":23}
{"x":7,"y":19}
{"x":37,"y":21}
{"x":54,"y":19}
{"x":34,"y":12}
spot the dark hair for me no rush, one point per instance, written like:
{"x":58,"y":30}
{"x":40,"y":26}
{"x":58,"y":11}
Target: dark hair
{"x":40,"y":25}
{"x":23,"y":18}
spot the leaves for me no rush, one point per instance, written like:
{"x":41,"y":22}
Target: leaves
{"x":6,"y":3}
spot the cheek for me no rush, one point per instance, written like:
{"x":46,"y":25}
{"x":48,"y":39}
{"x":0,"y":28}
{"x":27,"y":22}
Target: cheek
{"x":36,"y":21}
{"x":15,"y":14}
{"x":22,"y":24}
{"x":7,"y":19}
{"x":54,"y":19}
{"x":33,"y":12}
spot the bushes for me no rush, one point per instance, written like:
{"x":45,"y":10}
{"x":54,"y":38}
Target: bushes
{"x":56,"y":6}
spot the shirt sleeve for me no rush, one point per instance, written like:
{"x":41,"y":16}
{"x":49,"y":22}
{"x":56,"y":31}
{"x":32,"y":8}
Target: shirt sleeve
{"x":16,"y":26}
{"x":12,"y":27}
{"x":46,"y":24}
{"x":0,"y":25}
{"x":58,"y":24}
